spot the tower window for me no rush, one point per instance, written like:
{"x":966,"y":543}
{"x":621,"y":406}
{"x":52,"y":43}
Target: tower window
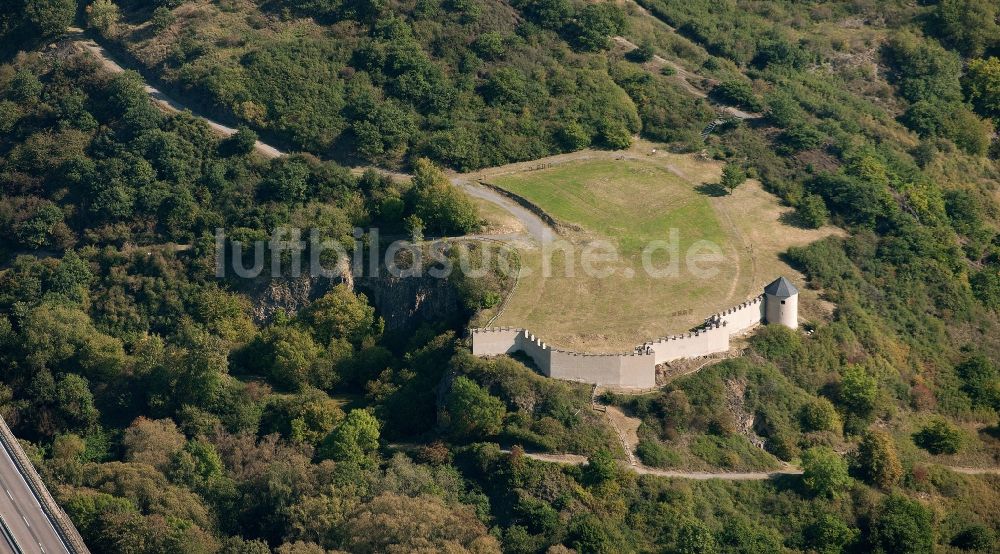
{"x":782,"y":301}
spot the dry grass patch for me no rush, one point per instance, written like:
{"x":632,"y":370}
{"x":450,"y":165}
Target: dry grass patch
{"x":497,"y":221}
{"x":628,"y":203}
{"x":630,"y":198}
{"x":758,"y":218}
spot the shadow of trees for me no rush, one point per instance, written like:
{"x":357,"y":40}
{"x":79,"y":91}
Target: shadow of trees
{"x":712,"y":189}
{"x":795,"y":219}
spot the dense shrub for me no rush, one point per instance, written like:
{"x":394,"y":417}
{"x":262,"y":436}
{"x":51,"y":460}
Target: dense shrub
{"x":902,"y":525}
{"x":939,"y":437}
{"x":876,"y":460}
{"x":655,"y":454}
{"x":812,"y":211}
{"x":740,"y":93}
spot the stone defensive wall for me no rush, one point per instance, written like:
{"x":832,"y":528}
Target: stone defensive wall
{"x":635,"y":369}
{"x":528,"y":205}
{"x":742,"y":317}
{"x":713,"y":337}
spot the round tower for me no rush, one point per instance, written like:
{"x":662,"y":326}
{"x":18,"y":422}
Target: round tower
{"x":781,"y":303}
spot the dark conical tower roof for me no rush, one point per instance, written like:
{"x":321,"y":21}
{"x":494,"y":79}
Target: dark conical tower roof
{"x":781,"y":288}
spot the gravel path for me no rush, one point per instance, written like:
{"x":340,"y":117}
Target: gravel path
{"x":685,"y":77}
{"x":536,"y":227}
{"x":165,"y":102}
{"x":576,"y":459}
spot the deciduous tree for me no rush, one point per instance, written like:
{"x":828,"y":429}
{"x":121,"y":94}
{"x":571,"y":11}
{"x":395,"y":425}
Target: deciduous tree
{"x":877,"y":461}
{"x":473,"y":411}
{"x":342,"y":314}
{"x":732,"y":176}
{"x":902,"y":526}
{"x":824,"y":472}
{"x":443,"y":208}
{"x":152,"y":441}
{"x":858,"y":391}
{"x":50,"y":17}
{"x":354,"y":440}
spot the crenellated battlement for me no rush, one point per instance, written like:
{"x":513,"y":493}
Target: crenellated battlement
{"x":708,"y":328}
{"x":495,"y":329}
{"x":741,"y":306}
{"x":627,"y":369}
{"x":593,"y":355}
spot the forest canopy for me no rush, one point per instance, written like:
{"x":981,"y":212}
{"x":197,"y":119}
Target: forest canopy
{"x":169,"y":410}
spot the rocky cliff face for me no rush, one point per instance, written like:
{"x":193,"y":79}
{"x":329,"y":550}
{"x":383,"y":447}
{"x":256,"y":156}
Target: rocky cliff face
{"x":405,"y":303}
{"x":289,"y":294}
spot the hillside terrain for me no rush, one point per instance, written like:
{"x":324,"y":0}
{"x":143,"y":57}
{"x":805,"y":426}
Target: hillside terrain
{"x":849,"y":145}
{"x":467,"y":84}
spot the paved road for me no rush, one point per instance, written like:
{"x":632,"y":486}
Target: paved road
{"x":23,"y":515}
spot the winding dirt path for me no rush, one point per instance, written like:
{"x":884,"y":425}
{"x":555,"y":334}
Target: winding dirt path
{"x":162,"y":100}
{"x":627,"y":429}
{"x":728,"y":476}
{"x":535,"y":226}
{"x":576,"y":459}
{"x":685,"y":77}
{"x":975,"y":470}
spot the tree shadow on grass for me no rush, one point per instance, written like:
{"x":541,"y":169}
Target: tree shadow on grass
{"x":794,"y":219}
{"x":792,"y":261}
{"x":712,"y":189}
{"x":993,"y":432}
